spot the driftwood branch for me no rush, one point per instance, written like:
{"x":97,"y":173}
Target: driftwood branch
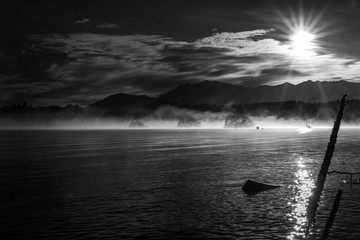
{"x":339,"y":172}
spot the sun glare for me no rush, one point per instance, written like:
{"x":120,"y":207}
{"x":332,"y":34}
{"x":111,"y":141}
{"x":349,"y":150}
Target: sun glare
{"x":302,"y":43}
{"x":305,"y":30}
{"x":302,"y":40}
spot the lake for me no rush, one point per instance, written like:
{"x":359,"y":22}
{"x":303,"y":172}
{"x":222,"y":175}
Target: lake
{"x":172,"y":184}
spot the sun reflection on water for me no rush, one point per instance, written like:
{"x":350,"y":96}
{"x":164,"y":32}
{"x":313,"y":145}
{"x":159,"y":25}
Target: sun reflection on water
{"x":303,"y":185}
{"x":303,"y":130}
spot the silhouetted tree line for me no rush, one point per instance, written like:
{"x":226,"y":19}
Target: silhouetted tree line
{"x":291,"y":109}
{"x":199,"y":107}
{"x":24,"y":111}
{"x":283,"y":110}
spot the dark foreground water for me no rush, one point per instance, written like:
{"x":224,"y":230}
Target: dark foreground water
{"x":171,"y":184}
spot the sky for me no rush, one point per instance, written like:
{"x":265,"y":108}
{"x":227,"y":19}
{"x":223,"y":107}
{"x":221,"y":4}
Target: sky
{"x":59,"y":52}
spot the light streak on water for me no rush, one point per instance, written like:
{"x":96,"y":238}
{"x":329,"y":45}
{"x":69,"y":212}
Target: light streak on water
{"x":303,"y":184}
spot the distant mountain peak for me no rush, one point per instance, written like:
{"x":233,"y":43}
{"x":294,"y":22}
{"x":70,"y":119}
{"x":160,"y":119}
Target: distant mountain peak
{"x":306,"y":82}
{"x":213,"y":83}
{"x":72,"y":107}
{"x":287,"y":84}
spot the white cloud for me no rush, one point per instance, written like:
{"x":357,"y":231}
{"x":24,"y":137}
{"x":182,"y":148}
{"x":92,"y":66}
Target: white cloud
{"x":82,"y":21}
{"x":271,"y":52}
{"x":243,"y":43}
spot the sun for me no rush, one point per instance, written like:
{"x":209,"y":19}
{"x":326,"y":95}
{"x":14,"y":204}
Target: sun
{"x":302,"y":40}
{"x":304,"y":30}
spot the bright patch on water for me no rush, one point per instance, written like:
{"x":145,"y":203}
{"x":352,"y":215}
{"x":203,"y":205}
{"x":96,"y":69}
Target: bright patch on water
{"x":303,"y":185}
{"x":303,"y":130}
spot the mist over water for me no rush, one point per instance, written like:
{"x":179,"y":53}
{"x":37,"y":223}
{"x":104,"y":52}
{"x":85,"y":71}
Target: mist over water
{"x":166,"y":117}
{"x":161,"y":184}
{"x":151,"y":123}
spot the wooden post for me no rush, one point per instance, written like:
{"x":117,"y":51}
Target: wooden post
{"x":319,"y":185}
{"x":330,"y":220}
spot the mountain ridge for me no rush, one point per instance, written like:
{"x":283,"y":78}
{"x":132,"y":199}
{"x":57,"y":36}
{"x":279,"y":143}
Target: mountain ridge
{"x":220,"y":93}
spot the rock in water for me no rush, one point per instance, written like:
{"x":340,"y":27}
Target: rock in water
{"x":137,"y":124}
{"x":188,"y":122}
{"x":252,"y":187}
{"x":238,"y":121}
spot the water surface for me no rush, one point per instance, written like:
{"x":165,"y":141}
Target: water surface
{"x":161,"y":184}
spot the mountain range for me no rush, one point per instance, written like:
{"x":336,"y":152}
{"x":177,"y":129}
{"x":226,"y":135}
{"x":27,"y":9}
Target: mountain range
{"x":225,"y":94}
{"x":195,"y":102}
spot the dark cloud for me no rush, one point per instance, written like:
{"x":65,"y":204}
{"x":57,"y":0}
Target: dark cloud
{"x":249,"y":81}
{"x":109,"y":26}
{"x":189,"y":58}
{"x":267,"y":77}
{"x":279,"y":71}
{"x":220,"y":70}
{"x":29,"y":59}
